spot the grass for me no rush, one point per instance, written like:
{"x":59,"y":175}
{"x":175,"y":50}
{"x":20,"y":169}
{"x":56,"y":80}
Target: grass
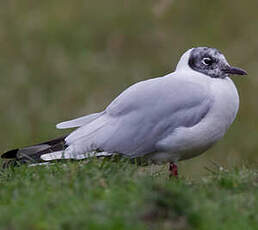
{"x":102,"y":194}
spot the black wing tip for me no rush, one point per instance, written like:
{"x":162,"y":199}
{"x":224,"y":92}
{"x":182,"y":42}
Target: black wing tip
{"x":10,"y":154}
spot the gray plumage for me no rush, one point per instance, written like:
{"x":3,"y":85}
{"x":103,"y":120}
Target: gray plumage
{"x":141,"y":116}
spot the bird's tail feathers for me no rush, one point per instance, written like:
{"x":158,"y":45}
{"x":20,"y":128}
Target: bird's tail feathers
{"x":44,"y":153}
{"x":32,"y":154}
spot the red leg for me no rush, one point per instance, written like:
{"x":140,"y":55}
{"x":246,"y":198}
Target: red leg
{"x":173,"y":169}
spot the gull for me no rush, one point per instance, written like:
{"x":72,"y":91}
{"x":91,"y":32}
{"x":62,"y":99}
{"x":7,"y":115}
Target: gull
{"x":166,"y":119}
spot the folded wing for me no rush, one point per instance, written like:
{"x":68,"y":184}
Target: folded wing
{"x":141,"y":116}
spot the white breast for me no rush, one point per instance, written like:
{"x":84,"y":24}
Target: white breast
{"x":226,"y":102}
{"x":188,"y":142}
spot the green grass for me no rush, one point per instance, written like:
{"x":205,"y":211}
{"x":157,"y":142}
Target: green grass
{"x":102,"y":194}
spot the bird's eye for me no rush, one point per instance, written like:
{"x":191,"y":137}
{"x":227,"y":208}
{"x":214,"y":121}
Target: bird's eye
{"x":207,"y":61}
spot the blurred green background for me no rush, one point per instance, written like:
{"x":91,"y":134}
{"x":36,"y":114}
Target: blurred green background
{"x":60,"y":59}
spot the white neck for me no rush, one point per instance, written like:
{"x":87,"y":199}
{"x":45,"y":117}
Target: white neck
{"x":183,"y":62}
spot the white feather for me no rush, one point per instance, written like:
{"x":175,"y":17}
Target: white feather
{"x":78,"y":121}
{"x":52,"y":156}
{"x":87,"y":130}
{"x":59,"y":155}
{"x":40,"y":164}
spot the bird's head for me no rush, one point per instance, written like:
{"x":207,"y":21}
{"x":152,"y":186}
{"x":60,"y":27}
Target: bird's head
{"x":208,"y":61}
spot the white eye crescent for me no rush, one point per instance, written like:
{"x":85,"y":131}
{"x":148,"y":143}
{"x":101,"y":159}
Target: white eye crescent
{"x":207,"y":61}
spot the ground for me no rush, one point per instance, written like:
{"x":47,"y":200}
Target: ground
{"x":105,"y":194}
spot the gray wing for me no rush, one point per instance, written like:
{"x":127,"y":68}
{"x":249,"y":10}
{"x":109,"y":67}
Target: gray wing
{"x":142,"y":115}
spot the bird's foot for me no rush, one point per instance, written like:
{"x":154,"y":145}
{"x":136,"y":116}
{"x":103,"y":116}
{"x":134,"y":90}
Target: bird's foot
{"x":173,"y":170}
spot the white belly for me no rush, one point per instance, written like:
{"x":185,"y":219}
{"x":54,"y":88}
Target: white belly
{"x":187,"y":142}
